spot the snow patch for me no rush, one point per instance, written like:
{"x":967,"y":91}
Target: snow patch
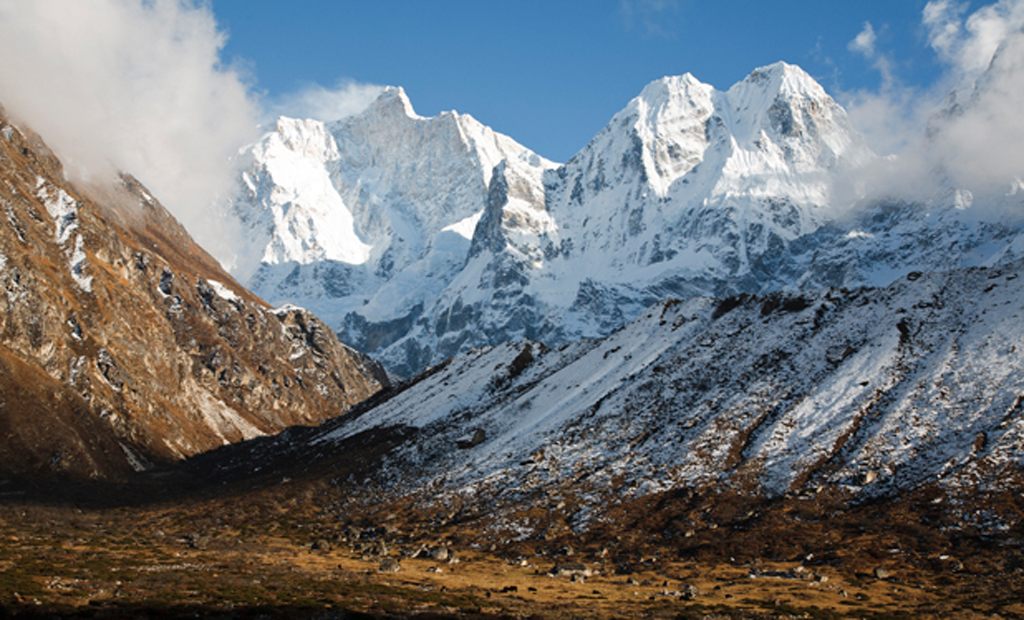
{"x":858,"y":234}
{"x":222,"y":419}
{"x":61,"y":207}
{"x":466,"y":226}
{"x":77,"y":264}
{"x":137,"y":462}
{"x":890,"y":387}
{"x":285,"y":309}
{"x":222,"y":291}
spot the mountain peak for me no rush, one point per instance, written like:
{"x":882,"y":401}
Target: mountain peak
{"x":669,"y":84}
{"x":787,"y":103}
{"x":686,"y":191}
{"x":392,"y":102}
{"x":782,"y":78}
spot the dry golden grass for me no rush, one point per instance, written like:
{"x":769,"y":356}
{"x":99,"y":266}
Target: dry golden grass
{"x":250,"y":554}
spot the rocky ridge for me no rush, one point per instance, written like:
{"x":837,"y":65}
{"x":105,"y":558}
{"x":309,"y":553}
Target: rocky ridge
{"x":124,"y":344}
{"x":863,"y":393}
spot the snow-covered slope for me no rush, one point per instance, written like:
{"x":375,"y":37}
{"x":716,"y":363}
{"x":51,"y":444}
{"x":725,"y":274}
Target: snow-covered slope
{"x":367,"y":219}
{"x":869,"y":391}
{"x":421,"y":238}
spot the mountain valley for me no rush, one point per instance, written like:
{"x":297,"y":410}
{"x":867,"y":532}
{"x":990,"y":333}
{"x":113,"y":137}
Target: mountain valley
{"x":689,"y":373}
{"x":759,"y":395}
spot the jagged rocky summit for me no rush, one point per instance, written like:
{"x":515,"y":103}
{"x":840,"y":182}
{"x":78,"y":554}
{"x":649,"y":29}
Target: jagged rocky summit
{"x":123,"y":344}
{"x":422,"y":238}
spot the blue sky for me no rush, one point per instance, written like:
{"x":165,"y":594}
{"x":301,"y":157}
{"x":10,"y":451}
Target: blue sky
{"x":552,"y":73}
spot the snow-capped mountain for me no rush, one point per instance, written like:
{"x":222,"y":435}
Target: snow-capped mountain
{"x":366,"y":220}
{"x":870,"y":392}
{"x":421,"y":238}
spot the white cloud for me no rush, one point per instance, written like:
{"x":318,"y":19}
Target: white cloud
{"x":981,"y":141}
{"x":135,"y":85}
{"x":967,"y":46}
{"x":942,"y":19}
{"x":890,"y":120}
{"x":864,"y":43}
{"x":324,"y":104}
{"x":975,"y":135}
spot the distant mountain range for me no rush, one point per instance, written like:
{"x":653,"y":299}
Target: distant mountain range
{"x":421,"y":238}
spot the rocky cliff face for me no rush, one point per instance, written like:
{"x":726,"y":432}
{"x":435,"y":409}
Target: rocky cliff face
{"x":122,"y":343}
{"x":421,"y":238}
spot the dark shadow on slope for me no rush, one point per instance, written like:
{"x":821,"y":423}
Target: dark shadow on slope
{"x":231,"y":470}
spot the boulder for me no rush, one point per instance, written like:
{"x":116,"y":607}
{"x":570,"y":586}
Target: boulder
{"x":690,"y":592}
{"x":389,"y":565}
{"x":569,"y":570}
{"x":440,"y":553}
{"x":471,"y":441}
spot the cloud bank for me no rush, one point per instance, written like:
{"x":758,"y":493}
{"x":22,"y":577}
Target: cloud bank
{"x":979,"y":137}
{"x":968,"y":126}
{"x":132,"y":85}
{"x":139,"y":86}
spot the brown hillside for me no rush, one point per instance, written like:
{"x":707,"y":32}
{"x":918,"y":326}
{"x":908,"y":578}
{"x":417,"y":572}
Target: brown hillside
{"x":124,"y":343}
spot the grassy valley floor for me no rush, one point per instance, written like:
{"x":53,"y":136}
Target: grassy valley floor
{"x":306,"y":550}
